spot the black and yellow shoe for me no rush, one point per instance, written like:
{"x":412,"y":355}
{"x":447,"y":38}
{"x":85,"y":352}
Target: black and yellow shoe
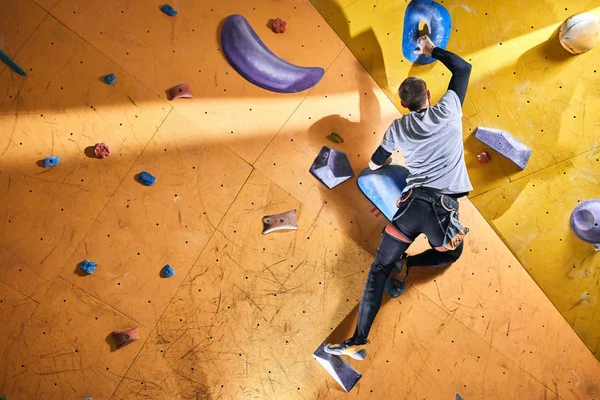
{"x":347,"y":348}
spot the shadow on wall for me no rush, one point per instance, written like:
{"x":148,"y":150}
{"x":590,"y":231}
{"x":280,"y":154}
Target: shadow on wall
{"x":375,"y":64}
{"x":358,"y":145}
{"x":542,"y":86}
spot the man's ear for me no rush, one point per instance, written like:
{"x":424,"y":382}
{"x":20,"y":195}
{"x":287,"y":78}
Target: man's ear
{"x":402,"y":104}
{"x":428,"y":95}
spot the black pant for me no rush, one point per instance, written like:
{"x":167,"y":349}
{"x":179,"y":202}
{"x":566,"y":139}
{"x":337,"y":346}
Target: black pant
{"x":419,"y":212}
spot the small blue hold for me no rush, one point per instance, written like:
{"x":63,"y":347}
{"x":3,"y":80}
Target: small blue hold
{"x":146,"y":179}
{"x":167,"y":271}
{"x":167,"y":9}
{"x":88,"y":398}
{"x":110,"y":79}
{"x":88,"y":266}
{"x":51,"y":161}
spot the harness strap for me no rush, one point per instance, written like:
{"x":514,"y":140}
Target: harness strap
{"x":395,"y":233}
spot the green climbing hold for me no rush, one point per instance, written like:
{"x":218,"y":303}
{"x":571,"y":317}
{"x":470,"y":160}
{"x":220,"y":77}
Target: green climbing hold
{"x":334,"y":137}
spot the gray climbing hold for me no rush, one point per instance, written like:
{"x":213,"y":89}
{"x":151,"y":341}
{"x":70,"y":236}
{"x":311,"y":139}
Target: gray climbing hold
{"x":505,"y":144}
{"x":338,"y":368}
{"x":585,"y":222}
{"x":331,"y":167}
{"x":459,"y":397}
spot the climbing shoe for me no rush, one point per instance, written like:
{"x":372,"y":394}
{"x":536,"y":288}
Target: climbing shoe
{"x":347,"y":348}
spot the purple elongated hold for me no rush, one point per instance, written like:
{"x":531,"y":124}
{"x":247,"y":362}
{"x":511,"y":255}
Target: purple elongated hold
{"x":505,"y":144}
{"x":249,"y":56}
{"x":585,"y":222}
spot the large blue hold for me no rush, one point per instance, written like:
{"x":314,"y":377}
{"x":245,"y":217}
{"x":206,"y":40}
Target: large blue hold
{"x":384,"y":187}
{"x":167,"y":9}
{"x":146,"y":179}
{"x":438,"y":21}
{"x":249,"y":56}
{"x":51,"y":161}
{"x":167,"y":271}
{"x":88,"y":266}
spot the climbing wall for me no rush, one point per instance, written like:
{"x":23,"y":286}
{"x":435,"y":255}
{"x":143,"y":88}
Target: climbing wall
{"x":244,"y":312}
{"x":523,"y":82}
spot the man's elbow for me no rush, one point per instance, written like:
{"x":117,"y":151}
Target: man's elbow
{"x":467,"y":67}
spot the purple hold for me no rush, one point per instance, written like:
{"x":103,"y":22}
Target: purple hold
{"x":585,"y":220}
{"x":249,"y":56}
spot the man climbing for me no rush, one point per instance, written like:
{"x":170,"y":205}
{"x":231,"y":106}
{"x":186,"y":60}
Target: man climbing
{"x":430,"y":137}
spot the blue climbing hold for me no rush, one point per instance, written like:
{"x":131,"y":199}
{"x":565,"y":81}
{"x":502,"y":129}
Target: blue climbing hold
{"x":88,"y":266}
{"x":167,"y":271}
{"x":438,"y":23}
{"x":146,"y":179}
{"x":51,"y":161}
{"x":167,"y":9}
{"x":110,"y":79}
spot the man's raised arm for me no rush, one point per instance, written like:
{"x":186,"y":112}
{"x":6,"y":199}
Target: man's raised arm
{"x":460,"y":69}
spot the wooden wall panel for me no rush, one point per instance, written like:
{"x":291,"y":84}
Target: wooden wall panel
{"x":64,"y":353}
{"x":142,"y":228}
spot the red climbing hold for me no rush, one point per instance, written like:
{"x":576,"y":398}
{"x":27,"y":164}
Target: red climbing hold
{"x":483,"y":158}
{"x":180,"y":92}
{"x":101,"y":150}
{"x":279,"y":25}
{"x":123,"y":338}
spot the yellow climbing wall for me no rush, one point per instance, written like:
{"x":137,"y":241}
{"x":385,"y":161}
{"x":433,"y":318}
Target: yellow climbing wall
{"x":244,"y":311}
{"x":523,"y":82}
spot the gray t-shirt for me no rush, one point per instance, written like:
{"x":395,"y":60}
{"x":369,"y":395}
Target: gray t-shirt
{"x":432,"y":144}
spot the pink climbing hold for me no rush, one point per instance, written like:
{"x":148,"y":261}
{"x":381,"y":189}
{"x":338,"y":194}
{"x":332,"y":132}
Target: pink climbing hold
{"x":180,"y":92}
{"x":102,"y":150}
{"x":279,"y":25}
{"x":123,"y":338}
{"x":483,"y":158}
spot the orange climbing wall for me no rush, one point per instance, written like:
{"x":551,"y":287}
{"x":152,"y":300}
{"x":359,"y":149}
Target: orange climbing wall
{"x":244,"y":312}
{"x":523,"y":82}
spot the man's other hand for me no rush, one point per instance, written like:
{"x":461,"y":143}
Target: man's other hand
{"x":425,"y":44}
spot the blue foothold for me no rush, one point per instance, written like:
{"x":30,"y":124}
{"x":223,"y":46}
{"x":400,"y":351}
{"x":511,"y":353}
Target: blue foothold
{"x":167,"y":271}
{"x":110,"y":79}
{"x":167,"y":9}
{"x":147,"y":179}
{"x":51,"y":161}
{"x":88,"y":266}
